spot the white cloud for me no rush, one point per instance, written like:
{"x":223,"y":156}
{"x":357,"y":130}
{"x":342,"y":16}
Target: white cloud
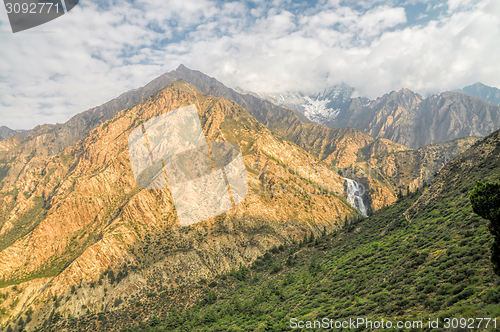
{"x":96,"y":53}
{"x":456,"y":4}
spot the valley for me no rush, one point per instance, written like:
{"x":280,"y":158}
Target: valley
{"x":424,"y":257}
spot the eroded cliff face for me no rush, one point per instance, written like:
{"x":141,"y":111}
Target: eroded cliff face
{"x":409,"y":119}
{"x":412,"y":168}
{"x":385,"y":175}
{"x":70,"y":219}
{"x":455,"y":181}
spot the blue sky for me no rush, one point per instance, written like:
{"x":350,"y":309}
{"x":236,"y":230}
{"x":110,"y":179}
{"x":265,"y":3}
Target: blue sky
{"x":103,"y":48}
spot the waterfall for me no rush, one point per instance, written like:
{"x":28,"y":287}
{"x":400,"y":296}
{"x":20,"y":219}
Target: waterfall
{"x":354,"y":192}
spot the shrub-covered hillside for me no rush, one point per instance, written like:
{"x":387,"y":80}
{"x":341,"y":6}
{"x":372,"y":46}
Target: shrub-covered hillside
{"x":425,"y":257}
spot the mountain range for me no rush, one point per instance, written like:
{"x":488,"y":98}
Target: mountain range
{"x":321,"y":107}
{"x":72,"y":216}
{"x":403,"y":117}
{"x":79,"y":213}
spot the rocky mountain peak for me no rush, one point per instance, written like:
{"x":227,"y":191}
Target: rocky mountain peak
{"x":405,"y":98}
{"x":6,"y":132}
{"x":486,"y":93}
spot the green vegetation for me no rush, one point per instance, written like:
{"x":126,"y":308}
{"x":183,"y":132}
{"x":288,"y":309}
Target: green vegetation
{"x":423,"y":258}
{"x":66,"y":159}
{"x":3,"y":172}
{"x":380,"y":267}
{"x":485,"y":199}
{"x":26,"y":223}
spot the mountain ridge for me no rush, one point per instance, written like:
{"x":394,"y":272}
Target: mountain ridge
{"x":81,"y":214}
{"x":407,"y":118}
{"x":6,"y":132}
{"x":70,"y":218}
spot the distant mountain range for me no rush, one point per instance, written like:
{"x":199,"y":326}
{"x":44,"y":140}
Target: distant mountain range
{"x":321,"y":108}
{"x":404,"y":117}
{"x":486,"y":93}
{"x":6,"y":132}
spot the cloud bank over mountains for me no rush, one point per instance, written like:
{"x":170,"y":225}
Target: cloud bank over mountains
{"x":101,"y":49}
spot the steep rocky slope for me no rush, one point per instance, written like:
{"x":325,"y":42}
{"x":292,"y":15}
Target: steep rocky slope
{"x":321,"y":108}
{"x":424,"y":258}
{"x":379,"y":146}
{"x":334,"y":146}
{"x":6,"y":132}
{"x":339,"y":148}
{"x":388,"y":169}
{"x":409,"y":119}
{"x":79,"y":214}
{"x":413,"y":168}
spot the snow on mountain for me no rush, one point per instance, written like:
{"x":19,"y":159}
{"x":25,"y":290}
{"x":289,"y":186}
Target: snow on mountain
{"x":321,"y":108}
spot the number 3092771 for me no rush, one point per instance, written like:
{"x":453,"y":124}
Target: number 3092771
{"x":31,"y":8}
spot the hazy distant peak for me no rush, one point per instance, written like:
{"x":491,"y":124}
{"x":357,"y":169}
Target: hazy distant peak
{"x":485,"y":92}
{"x":6,"y":132}
{"x":182,"y":67}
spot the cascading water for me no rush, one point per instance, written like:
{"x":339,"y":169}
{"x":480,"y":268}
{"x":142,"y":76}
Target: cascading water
{"x":354,"y":192}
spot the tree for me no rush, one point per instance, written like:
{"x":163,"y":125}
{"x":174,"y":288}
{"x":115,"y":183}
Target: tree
{"x":21,"y":323}
{"x":311,"y":238}
{"x":154,"y":321}
{"x":485,"y":199}
{"x":212,"y":297}
{"x":111,"y":276}
{"x":315,"y":268}
{"x":400,"y":194}
{"x":369,"y":210}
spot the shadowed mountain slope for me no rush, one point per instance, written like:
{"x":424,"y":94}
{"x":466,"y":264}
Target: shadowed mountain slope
{"x":407,"y":118}
{"x":6,"y":132}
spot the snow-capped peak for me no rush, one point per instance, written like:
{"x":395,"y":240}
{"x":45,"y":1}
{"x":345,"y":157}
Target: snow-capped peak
{"x":322,"y":107}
